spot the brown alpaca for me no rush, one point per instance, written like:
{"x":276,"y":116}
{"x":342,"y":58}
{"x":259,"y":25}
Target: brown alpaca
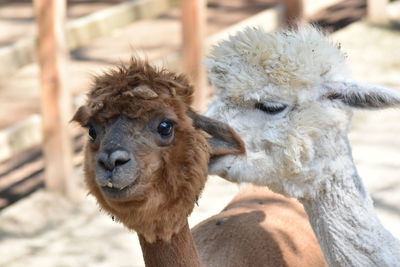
{"x":146,"y":163}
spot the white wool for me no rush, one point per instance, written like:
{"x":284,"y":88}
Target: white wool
{"x":254,"y":59}
{"x":302,"y":151}
{"x":280,"y":150}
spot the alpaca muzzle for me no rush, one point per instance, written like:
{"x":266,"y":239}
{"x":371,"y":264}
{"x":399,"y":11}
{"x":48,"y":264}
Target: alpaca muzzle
{"x":116,"y":170}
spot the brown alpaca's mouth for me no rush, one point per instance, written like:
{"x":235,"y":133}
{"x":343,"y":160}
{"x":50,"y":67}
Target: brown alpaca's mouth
{"x":115,"y":193}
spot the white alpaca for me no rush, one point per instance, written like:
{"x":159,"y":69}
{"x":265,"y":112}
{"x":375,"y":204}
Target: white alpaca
{"x":289,"y":97}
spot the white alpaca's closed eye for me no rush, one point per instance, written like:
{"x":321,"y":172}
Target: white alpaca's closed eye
{"x":270,"y":108}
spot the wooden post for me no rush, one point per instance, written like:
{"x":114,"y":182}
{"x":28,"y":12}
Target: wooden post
{"x":293,"y":12}
{"x":376,"y":11}
{"x":55,"y":100}
{"x":193,"y":32}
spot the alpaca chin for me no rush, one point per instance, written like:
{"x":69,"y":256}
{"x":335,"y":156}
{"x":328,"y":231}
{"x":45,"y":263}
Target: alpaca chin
{"x":221,"y":166}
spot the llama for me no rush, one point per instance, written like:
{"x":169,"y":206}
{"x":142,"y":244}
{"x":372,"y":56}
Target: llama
{"x":289,"y":97}
{"x":146,"y":163}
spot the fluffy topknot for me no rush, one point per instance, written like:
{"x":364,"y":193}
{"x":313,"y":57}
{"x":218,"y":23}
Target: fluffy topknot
{"x":291,"y":59}
{"x":137,"y":87}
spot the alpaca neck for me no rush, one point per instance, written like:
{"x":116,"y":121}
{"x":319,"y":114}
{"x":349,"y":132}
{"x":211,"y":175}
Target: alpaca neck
{"x":180,"y":251}
{"x":343,"y":218}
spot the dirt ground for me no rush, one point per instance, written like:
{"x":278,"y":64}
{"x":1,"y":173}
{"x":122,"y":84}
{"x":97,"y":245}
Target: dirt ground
{"x":17,"y":19}
{"x":46,"y":230}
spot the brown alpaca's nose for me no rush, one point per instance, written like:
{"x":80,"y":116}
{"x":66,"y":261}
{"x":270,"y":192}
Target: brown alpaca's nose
{"x":110,"y":161}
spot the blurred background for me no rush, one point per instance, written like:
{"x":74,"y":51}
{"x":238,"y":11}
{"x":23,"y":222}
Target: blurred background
{"x":49,"y":51}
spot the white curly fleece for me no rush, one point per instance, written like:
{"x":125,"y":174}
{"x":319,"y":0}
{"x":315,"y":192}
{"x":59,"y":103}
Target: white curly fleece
{"x":242,"y":66}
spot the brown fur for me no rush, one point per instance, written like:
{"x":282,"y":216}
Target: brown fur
{"x":179,"y":252}
{"x":258,"y":228}
{"x":169,"y":189}
{"x":109,"y":97}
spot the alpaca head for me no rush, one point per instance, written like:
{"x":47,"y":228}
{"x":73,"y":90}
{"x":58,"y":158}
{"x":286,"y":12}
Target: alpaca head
{"x":288,"y":96}
{"x":147,"y":153}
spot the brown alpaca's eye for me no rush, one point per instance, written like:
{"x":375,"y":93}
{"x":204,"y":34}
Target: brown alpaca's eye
{"x":165,"y":128}
{"x":92,"y":132}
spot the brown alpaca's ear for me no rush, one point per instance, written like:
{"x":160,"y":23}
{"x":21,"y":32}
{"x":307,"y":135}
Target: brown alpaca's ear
{"x":81,"y":116}
{"x":223,"y":140}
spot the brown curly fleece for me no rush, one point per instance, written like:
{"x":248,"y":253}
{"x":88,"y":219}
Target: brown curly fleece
{"x":171,"y":179}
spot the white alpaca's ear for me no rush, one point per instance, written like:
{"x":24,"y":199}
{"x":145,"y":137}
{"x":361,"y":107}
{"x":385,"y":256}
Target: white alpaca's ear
{"x":361,"y":95}
{"x":223,"y":140}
